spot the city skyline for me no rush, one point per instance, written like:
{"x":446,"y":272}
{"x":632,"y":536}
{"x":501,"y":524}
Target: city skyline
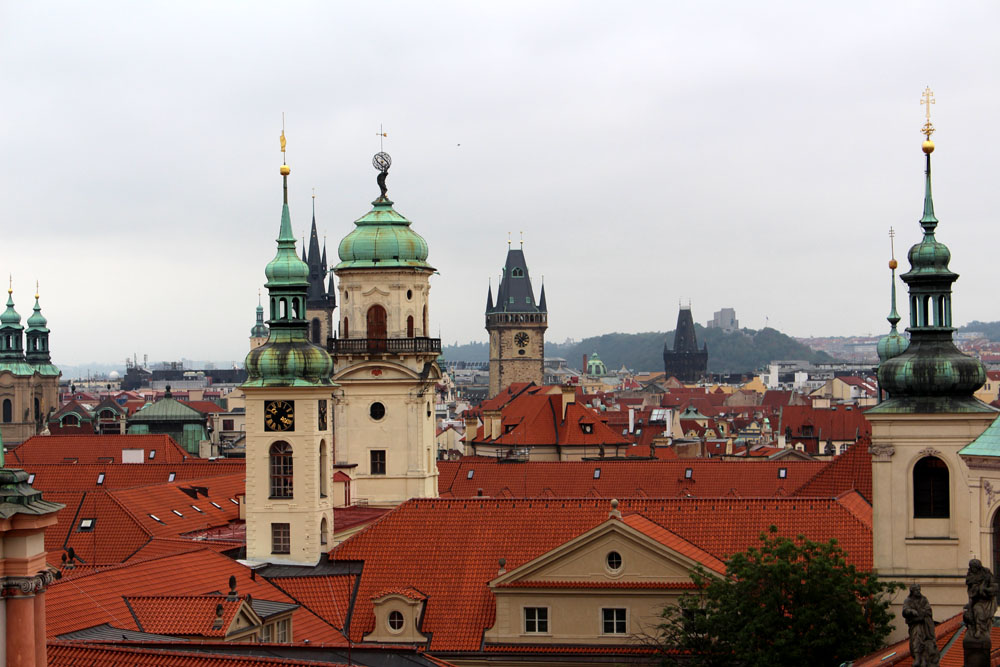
{"x":736,"y":156}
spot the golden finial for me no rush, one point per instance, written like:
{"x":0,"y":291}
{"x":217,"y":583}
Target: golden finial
{"x":927,"y":99}
{"x":285,"y":170}
{"x":36,"y":290}
{"x":892,"y":249}
{"x":522,"y":240}
{"x":314,"y":193}
{"x":10,"y":285}
{"x":508,"y":239}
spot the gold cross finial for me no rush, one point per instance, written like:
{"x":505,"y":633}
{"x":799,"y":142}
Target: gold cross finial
{"x":892,"y":243}
{"x":508,"y":239}
{"x":522,"y":240}
{"x":282,"y":133}
{"x":927,"y":99}
{"x":381,"y":134}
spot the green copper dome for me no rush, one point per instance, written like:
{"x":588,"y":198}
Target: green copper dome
{"x":37,"y":321}
{"x":893,"y":344}
{"x":931,"y":375}
{"x":382,"y":238}
{"x":259,"y":329}
{"x":10,"y":318}
{"x":287,"y":359}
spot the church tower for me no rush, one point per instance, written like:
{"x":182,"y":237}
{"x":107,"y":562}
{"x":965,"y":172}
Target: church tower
{"x":516,"y":324}
{"x":930,"y":512}
{"x":685,"y":362}
{"x":45,"y":385}
{"x":259,"y":331}
{"x":321,"y":299}
{"x":384,"y":357}
{"x":289,"y":505}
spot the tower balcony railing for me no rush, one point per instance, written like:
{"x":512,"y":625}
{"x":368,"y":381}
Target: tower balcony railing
{"x":364,"y":346}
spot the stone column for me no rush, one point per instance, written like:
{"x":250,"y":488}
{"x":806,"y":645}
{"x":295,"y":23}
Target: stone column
{"x":20,"y":630}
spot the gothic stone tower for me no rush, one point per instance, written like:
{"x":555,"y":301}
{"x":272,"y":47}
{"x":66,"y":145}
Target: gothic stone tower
{"x":685,"y":362}
{"x":321,"y":299}
{"x":932,"y":509}
{"x":384,"y":358}
{"x":288,"y":430}
{"x":516,"y":324}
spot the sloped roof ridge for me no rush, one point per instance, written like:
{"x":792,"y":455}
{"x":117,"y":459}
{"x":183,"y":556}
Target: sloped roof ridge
{"x":101,"y":569}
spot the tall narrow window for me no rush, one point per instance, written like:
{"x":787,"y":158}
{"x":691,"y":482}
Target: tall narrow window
{"x":424,"y":330}
{"x":8,"y":411}
{"x":930,"y":489}
{"x":324,"y":469}
{"x":315,"y":330}
{"x":409,"y":326}
{"x":281,"y":470}
{"x":281,"y":538}
{"x":378,"y":462}
{"x":323,"y":531}
{"x":346,"y":333}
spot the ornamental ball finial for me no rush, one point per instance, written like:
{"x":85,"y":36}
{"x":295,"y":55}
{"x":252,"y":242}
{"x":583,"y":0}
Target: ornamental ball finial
{"x":928,"y":146}
{"x":285,"y":170}
{"x":893,"y":264}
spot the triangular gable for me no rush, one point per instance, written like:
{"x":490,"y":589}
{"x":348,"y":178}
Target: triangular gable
{"x":650,"y":556}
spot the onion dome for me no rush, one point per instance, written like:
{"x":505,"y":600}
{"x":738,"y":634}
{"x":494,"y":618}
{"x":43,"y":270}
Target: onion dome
{"x":37,"y":321}
{"x":10,"y":319}
{"x":382,"y":237}
{"x":288,"y":358}
{"x":259,"y":330}
{"x":931,"y":375}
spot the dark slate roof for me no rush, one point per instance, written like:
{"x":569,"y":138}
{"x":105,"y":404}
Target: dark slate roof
{"x":684,"y":334}
{"x":106,"y":631}
{"x":268,"y":608}
{"x":515,"y":294}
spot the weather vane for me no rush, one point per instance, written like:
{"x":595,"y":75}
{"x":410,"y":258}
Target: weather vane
{"x":381,"y":162}
{"x":892,"y":249}
{"x":927,"y":99}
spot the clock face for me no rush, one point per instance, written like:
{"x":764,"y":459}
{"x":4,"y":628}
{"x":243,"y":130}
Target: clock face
{"x":322,"y":415}
{"x":279,"y":415}
{"x":521,"y":339}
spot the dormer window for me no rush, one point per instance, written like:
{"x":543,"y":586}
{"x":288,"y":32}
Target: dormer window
{"x":518,"y":272}
{"x":782,"y":473}
{"x":688,"y":473}
{"x":395,"y":621}
{"x":31,"y":478}
{"x":587,"y":428}
{"x":471,"y":473}
{"x":171,"y":476}
{"x":100,"y":478}
{"x":597,"y":473}
{"x":152,"y":454}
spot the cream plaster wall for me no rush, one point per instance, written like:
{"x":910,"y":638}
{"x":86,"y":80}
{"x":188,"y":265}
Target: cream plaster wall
{"x":308,"y":506}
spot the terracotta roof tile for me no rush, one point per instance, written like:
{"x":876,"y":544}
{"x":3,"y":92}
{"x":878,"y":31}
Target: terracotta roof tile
{"x":452,"y":563}
{"x":86,"y":654}
{"x":96,"y":449}
{"x":327,"y":596}
{"x":851,"y":469}
{"x":182,"y":615}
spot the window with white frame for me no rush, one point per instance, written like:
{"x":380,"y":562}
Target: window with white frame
{"x":536,"y":619}
{"x":614,"y":620}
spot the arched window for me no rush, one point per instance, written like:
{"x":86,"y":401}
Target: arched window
{"x":930,"y":489}
{"x":409,"y":326}
{"x":8,"y":411}
{"x":324,"y":469}
{"x":38,"y":409}
{"x":281,"y":470}
{"x":282,"y":309}
{"x":323,"y":530}
{"x":296,"y":309}
{"x":70,"y":420}
{"x":315,"y":330}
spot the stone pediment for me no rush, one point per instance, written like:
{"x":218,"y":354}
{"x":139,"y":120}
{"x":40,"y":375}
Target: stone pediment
{"x":646,"y":555}
{"x":375,"y":371}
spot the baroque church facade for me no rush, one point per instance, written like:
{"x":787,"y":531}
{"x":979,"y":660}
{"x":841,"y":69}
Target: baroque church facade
{"x":516,"y":324}
{"x":29,"y":382}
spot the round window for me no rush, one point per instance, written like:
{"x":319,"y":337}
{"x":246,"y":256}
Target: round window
{"x":395,"y":621}
{"x":409,"y":294}
{"x":376,"y":411}
{"x":520,"y":351}
{"x":614,"y":561}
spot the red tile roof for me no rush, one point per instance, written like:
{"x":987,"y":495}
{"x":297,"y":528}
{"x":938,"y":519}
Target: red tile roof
{"x":82,"y":602}
{"x":326,"y":596}
{"x":674,"y":542}
{"x":851,"y":469}
{"x":87,"y":654}
{"x":205,"y":407}
{"x":624,"y":478}
{"x":86,"y":476}
{"x":92,"y":448}
{"x":183,"y":615}
{"x":452,"y":562}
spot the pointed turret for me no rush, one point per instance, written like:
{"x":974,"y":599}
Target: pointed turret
{"x":515,"y":294}
{"x":685,"y":362}
{"x":489,"y":299}
{"x":12,"y":340}
{"x":37,"y":338}
{"x":893,"y":344}
{"x":288,"y":358}
{"x":931,"y":375}
{"x":541,"y":301}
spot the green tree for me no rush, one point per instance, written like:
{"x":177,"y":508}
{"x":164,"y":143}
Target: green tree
{"x":787,"y":602}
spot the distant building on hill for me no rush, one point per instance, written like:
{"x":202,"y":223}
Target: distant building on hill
{"x":724,"y":319}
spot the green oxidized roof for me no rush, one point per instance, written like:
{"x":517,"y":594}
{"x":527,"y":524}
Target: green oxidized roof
{"x":987,"y":444}
{"x":288,"y":358}
{"x":893,"y":344}
{"x":382,"y":238}
{"x":259,"y":330}
{"x":931,"y":375}
{"x":10,"y":319}
{"x":37,"y":321}
{"x":18,"y":497}
{"x":167,"y":410}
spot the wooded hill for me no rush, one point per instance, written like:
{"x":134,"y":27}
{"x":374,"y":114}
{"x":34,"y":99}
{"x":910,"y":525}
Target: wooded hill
{"x":741,"y":351}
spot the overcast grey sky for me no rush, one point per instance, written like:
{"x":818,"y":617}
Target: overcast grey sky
{"x":750,"y":155}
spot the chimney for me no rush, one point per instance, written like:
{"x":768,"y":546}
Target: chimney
{"x":568,"y":396}
{"x":491,"y":424}
{"x":631,"y":420}
{"x":584,"y":369}
{"x":471,"y":427}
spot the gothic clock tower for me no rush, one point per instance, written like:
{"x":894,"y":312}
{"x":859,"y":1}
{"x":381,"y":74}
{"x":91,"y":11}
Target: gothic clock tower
{"x":288,"y":428}
{"x":516,"y":324}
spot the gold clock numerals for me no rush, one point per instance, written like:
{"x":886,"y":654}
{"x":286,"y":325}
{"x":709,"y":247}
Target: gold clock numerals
{"x":521,"y":339}
{"x":279,"y":415}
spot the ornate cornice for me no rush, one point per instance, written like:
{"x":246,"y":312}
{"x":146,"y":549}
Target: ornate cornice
{"x":26,"y":586}
{"x":881,"y":452}
{"x":928,"y":451}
